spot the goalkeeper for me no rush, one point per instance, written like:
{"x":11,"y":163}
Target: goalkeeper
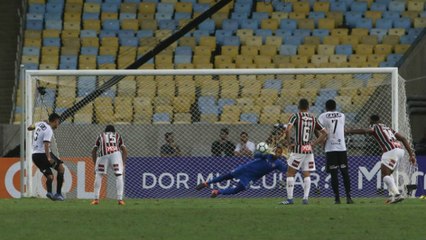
{"x":249,"y":173}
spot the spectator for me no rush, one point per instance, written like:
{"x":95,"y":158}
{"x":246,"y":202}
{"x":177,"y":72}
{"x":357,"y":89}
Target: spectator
{"x":223,"y":147}
{"x":245,"y":147}
{"x":170,"y":149}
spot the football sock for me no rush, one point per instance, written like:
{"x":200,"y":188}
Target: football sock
{"x":390,"y":183}
{"x":98,"y":184}
{"x":233,"y":190}
{"x":59,"y":182}
{"x":306,"y":187}
{"x":394,"y":182}
{"x":221,"y":178}
{"x":346,"y":181}
{"x":120,"y":185}
{"x":335,"y":183}
{"x":290,"y":187}
{"x":49,"y":181}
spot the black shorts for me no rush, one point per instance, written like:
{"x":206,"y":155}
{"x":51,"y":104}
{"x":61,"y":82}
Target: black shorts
{"x":336,"y":160}
{"x":40,"y":160}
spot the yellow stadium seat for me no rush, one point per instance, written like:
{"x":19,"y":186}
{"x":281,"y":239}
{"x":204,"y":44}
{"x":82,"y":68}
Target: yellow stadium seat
{"x":145,"y":16}
{"x":274,"y":41}
{"x":32,"y":42}
{"x":325,"y":49}
{"x":391,"y":40}
{"x":268,"y":50}
{"x":108,"y":50}
{"x":109,"y":16}
{"x":72,"y":17}
{"x":355,"y":58}
{"x":147,"y":7}
{"x":92,"y":7}
{"x":359,"y":32}
{"x":146,"y":87}
{"x":208,"y":41}
{"x":87,"y":59}
{"x":183,"y":7}
{"x":312,"y":40}
{"x":251,"y":89}
{"x":319,"y":59}
{"x":278,"y":59}
{"x":222,"y":59}
{"x":35,"y":34}
{"x":203,"y":51}
{"x":376,"y":59}
{"x":299,"y":59}
{"x":279,"y":15}
{"x":107,"y":66}
{"x":208,"y":118}
{"x":201,"y":59}
{"x":269,"y":93}
{"x":130,"y":24}
{"x":420,"y":22}
{"x":401,"y":48}
{"x":73,"y":7}
{"x":127,"y":87}
{"x":126,"y":7}
{"x":396,"y":31}
{"x":306,"y":50}
{"x":253,"y":41}
{"x":163,"y":101}
{"x":251,"y":109}
{"x":364,"y":49}
{"x":30,"y":59}
{"x":249,"y":51}
{"x":373,"y":15}
{"x":383,"y":49}
{"x":270,"y":118}
{"x":240,"y":59}
{"x":123,"y":109}
{"x":51,"y":33}
{"x":302,"y":7}
{"x":306,"y":24}
{"x":187,"y":41}
{"x":415,"y":5}
{"x":345,"y":102}
{"x":271,"y":24}
{"x":182,"y":118}
{"x":92,"y":24}
{"x":264,"y":7}
{"x":292,"y":85}
{"x":338,"y":59}
{"x":339,"y":32}
{"x":210,"y":88}
{"x":48,"y":66}
{"x":411,"y":14}
{"x":229,"y":89}
{"x":182,"y":104}
{"x":370,"y":40}
{"x":337,"y":16}
{"x":230,"y":51}
{"x":331,"y":40}
{"x":245,"y":102}
{"x":273,"y":109}
{"x":230,"y":114}
{"x":149,"y":24}
{"x":350,"y":40}
{"x":321,"y":6}
{"x":326,"y":23}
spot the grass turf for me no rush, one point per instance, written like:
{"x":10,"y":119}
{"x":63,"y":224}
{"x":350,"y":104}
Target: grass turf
{"x":211,"y":219}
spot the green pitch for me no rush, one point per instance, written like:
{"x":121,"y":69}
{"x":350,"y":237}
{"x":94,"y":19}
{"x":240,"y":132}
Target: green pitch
{"x":211,"y":219}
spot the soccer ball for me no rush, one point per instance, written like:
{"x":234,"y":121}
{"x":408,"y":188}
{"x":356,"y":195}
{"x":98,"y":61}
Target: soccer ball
{"x":262,"y":147}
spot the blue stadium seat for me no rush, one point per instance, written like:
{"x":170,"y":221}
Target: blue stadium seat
{"x":343,"y":49}
{"x":293,"y":40}
{"x":85,"y":85}
{"x":249,"y":117}
{"x":364,"y":23}
{"x":239,"y":16}
{"x":52,"y":42}
{"x":163,"y":16}
{"x":359,"y":6}
{"x":200,"y":7}
{"x":104,"y":59}
{"x":352,"y":18}
{"x":338,"y":7}
{"x":167,"y":24}
{"x":288,"y":24}
{"x":263,"y":33}
{"x":402,"y":23}
{"x":55,"y":16}
{"x":91,"y":15}
{"x":165,"y":7}
{"x":398,"y":6}
{"x":126,"y":33}
{"x":67,"y":59}
{"x":282,"y":6}
{"x":231,"y":41}
{"x":380,"y":33}
{"x":35,"y":16}
{"x":302,"y":33}
{"x":111,"y":24}
{"x":34,"y":24}
{"x":249,"y":24}
{"x":93,"y":51}
{"x":224,"y":102}
{"x":407,"y":39}
{"x":183,"y":50}
{"x":221,"y":34}
{"x":391,"y":15}
{"x":384,"y":24}
{"x":110,"y":7}
{"x":178,"y":59}
{"x":124,"y":16}
{"x":208,"y":25}
{"x":129,"y":41}
{"x":31,"y":51}
{"x":259,"y":16}
{"x":387,"y":64}
{"x":376,"y":6}
{"x":291,"y":109}
{"x":107,"y":33}
{"x":37,"y":8}
{"x":321,"y":33}
{"x":383,"y":1}
{"x":288,"y":50}
{"x":145,"y":33}
{"x":394,"y":57}
{"x":207,"y":105}
{"x":272,"y":84}
{"x":414,"y":31}
{"x":230,"y":25}
{"x":197,"y":34}
{"x":53,"y":24}
{"x":316,"y":16}
{"x":113,"y":1}
{"x":242,"y":7}
{"x":52,"y":7}
{"x":161,"y":117}
{"x":182,"y":15}
{"x":283,"y":33}
{"x":132,"y":1}
{"x":67,"y":66}
{"x":30,"y":66}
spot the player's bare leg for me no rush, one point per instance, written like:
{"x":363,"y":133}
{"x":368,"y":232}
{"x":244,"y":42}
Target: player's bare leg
{"x":291,"y":172}
{"x":306,"y":186}
{"x":59,"y":181}
{"x":390,"y":183}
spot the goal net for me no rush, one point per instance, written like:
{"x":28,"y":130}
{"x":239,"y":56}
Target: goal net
{"x":196,"y":106}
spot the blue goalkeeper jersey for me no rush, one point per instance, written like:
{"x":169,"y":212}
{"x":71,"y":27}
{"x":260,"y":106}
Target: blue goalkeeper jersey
{"x":260,"y":166}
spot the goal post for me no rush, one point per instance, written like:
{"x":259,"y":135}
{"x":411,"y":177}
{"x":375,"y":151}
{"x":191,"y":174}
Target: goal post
{"x":195,"y":104}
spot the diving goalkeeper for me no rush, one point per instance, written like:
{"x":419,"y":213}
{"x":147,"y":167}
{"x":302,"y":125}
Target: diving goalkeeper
{"x":249,"y":173}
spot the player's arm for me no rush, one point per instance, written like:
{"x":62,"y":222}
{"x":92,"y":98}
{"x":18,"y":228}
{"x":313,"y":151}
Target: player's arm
{"x":31,"y":127}
{"x":407,"y":146}
{"x":124,"y":152}
{"x":322,"y":136}
{"x":94,"y":154}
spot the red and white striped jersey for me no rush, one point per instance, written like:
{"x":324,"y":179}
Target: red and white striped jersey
{"x":385,"y":136}
{"x":304,"y":124}
{"x":108,"y":142}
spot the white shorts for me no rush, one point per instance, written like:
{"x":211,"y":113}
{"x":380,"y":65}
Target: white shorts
{"x":304,"y":161}
{"x":114,"y":160}
{"x":391,"y":158}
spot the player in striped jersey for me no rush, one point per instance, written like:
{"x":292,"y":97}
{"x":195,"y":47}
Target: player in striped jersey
{"x":388,"y":139}
{"x":301,"y":155}
{"x":106,"y":152}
